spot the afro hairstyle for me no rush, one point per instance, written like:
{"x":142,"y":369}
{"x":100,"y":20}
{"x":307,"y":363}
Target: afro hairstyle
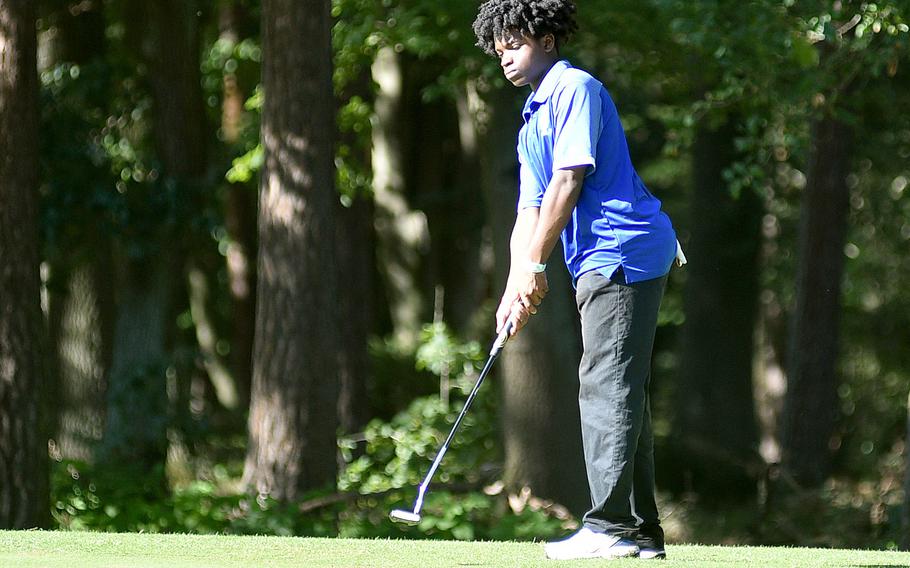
{"x":497,"y":19}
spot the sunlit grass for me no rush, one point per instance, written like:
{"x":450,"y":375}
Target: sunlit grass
{"x":32,"y":549}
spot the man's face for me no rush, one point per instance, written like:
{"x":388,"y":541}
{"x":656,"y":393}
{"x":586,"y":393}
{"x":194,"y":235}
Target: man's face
{"x":525,"y":60}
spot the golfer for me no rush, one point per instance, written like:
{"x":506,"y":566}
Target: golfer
{"x":577,"y":181}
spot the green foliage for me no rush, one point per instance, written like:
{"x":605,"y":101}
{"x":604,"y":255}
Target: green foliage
{"x":396,"y":458}
{"x":441,"y":354}
{"x":93,"y":154}
{"x":244,"y":167}
{"x":396,"y":452}
{"x":120,"y":499}
{"x":390,"y":459}
{"x":383,"y":467}
{"x":101,"y":178}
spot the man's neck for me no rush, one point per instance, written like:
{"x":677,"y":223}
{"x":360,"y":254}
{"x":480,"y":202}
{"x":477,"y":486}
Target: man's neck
{"x":536,"y":84}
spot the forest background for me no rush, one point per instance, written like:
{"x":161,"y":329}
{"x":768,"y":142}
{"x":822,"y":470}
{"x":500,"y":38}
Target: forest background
{"x":251,"y":253}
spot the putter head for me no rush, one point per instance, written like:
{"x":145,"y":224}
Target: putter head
{"x":406,"y":517}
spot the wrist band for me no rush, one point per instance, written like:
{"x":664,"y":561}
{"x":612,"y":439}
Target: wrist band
{"x":535,"y":267}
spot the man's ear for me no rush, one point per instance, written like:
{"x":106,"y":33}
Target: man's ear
{"x":549,"y":42}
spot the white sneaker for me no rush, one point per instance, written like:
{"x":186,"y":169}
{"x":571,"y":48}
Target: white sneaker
{"x":652,"y":553}
{"x":589,"y":544}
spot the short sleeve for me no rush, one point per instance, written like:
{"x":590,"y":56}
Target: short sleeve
{"x":577,"y":125}
{"x":530,"y":190}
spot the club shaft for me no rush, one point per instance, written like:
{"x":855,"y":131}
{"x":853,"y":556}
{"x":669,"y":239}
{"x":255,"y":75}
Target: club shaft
{"x":494,"y":354}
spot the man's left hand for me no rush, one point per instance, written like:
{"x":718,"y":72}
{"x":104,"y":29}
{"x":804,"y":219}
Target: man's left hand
{"x":532,"y":289}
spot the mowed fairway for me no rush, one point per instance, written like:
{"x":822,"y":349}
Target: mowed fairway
{"x":34,"y":549}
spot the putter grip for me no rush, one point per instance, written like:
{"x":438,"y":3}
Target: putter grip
{"x":501,"y":340}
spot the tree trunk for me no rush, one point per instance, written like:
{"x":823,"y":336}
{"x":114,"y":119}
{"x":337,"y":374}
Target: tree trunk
{"x":293,"y":414}
{"x":540,"y":418}
{"x":81,"y":27}
{"x":355,"y":309}
{"x":356,"y":265}
{"x":810,"y":406}
{"x":401,"y":232}
{"x":240,"y":219}
{"x":716,"y":421}
{"x":905,"y":517}
{"x":459,"y":262}
{"x":24,"y":483}
{"x":136,"y":425}
{"x":170,"y":46}
{"x":442,"y":171}
{"x":165,"y":36}
{"x":82,"y":330}
{"x":80,"y":291}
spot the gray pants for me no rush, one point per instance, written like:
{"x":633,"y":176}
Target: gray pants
{"x":618,"y":322}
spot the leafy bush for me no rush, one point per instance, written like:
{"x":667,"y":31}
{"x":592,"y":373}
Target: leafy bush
{"x":465,"y":500}
{"x":116,"y":499}
{"x":383,"y":467}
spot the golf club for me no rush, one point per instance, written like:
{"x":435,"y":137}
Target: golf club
{"x":413,"y":517}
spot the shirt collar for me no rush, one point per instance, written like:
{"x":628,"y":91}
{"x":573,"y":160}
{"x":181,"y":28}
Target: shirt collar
{"x":547,"y":86}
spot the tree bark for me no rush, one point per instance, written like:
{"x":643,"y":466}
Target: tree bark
{"x":80,"y":291}
{"x":402,"y":233}
{"x":240,"y":219}
{"x":293,"y":414}
{"x":82,"y":329}
{"x":810,"y":406}
{"x":137,"y":405}
{"x":165,"y":37}
{"x":81,"y":27}
{"x":463,"y":223}
{"x":24,"y":472}
{"x":540,"y":418}
{"x":905,"y":517}
{"x":355,"y":310}
{"x":716,"y":422}
{"x":170,"y":46}
{"x":442,"y":171}
{"x":355,"y":239}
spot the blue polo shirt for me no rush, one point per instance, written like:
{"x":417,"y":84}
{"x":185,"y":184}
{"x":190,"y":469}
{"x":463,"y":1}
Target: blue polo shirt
{"x":569,"y":121}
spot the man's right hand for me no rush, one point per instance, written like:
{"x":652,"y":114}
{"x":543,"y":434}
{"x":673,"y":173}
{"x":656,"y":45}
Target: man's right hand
{"x":511,"y":308}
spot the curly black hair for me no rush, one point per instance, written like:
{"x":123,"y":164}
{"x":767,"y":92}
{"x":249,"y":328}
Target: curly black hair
{"x":496,"y":19}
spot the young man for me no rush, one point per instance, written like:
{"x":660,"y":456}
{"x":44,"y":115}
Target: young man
{"x":577,"y":181}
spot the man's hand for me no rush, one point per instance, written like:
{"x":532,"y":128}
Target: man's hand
{"x":509,"y":298}
{"x":523,"y":294}
{"x":532,"y":287}
{"x":514,"y":312}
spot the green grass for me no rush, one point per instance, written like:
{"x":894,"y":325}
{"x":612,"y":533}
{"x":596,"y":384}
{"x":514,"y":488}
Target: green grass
{"x":34,"y":549}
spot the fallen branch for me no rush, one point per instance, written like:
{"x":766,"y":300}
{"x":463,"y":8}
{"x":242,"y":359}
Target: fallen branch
{"x":328,"y":500}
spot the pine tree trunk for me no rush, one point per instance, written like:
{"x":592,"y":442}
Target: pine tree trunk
{"x":716,"y":422}
{"x":24,"y":499}
{"x":355,"y":239}
{"x":171,"y":49}
{"x":402,"y":234}
{"x":293,"y":414}
{"x":240,"y":219}
{"x":137,"y":404}
{"x":81,"y":306}
{"x":355,"y":310}
{"x":810,"y":406}
{"x":165,"y":37}
{"x":539,"y":369}
{"x":83,"y":331}
{"x":905,"y":517}
{"x":465,"y":219}
{"x":81,"y":29}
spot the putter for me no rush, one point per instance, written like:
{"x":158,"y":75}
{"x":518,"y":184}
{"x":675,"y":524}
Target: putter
{"x":413,"y":517}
